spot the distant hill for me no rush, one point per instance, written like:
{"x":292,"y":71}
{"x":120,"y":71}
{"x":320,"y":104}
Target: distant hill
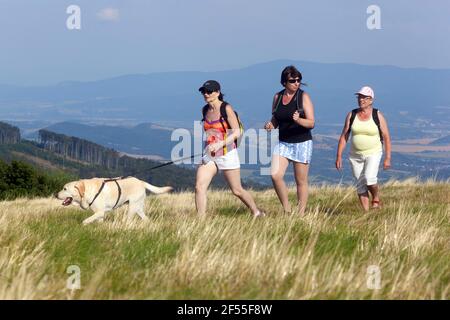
{"x":143,"y":139}
{"x":444,"y":141}
{"x":405,"y":95}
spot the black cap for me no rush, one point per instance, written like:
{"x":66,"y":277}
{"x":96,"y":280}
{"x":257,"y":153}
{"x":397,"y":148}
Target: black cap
{"x":210,"y":85}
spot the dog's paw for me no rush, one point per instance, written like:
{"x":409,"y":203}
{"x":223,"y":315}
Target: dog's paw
{"x":86,"y":221}
{"x":91,"y":220}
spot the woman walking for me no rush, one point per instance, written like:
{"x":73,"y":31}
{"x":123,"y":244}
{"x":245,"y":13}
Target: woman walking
{"x":222,"y":130}
{"x":369,"y":132}
{"x":293,"y":115}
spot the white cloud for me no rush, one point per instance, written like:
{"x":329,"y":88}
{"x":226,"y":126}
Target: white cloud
{"x":108,"y":14}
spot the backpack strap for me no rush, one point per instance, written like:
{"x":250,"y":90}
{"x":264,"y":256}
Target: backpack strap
{"x":204,"y":111}
{"x":223,"y":112}
{"x":280,"y":96}
{"x":224,"y":117}
{"x":377,"y":122}
{"x":352,"y":118}
{"x":299,"y":102}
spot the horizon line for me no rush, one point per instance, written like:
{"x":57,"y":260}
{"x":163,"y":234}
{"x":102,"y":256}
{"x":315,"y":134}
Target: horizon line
{"x":64,"y":82}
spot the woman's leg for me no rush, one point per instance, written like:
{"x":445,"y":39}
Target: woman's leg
{"x":233,"y":177}
{"x":371,"y":173}
{"x":373,"y":189}
{"x":301,"y":179}
{"x":277,"y":170}
{"x":364,"y":200}
{"x":205,"y":173}
{"x":357,"y":163}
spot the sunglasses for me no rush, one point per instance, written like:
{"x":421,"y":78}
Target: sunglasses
{"x":205,"y":91}
{"x":294,"y":80}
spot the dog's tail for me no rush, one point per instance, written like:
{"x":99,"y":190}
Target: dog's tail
{"x":157,"y":190}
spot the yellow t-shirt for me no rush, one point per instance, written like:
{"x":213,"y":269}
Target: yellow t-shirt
{"x":365,"y":137}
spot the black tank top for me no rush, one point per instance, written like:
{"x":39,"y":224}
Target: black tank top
{"x":289,"y":131}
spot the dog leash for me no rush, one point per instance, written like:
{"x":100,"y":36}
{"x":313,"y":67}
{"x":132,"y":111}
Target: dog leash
{"x":172,"y":162}
{"x":163,"y":165}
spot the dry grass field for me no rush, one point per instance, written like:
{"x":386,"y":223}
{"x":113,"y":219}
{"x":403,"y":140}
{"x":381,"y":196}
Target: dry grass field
{"x":331,"y":253}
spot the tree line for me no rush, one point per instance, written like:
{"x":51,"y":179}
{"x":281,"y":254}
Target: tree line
{"x":79,"y":149}
{"x":9,"y":134}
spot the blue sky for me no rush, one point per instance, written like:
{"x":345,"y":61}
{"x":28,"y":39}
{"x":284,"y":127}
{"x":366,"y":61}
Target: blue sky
{"x":138,"y":36}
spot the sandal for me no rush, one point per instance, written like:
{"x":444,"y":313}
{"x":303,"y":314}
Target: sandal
{"x":376,"y":204}
{"x":259,"y":214}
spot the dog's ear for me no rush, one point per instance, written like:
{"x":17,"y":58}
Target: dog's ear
{"x":81,"y":188}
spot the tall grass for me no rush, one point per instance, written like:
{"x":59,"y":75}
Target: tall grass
{"x":230,"y":255}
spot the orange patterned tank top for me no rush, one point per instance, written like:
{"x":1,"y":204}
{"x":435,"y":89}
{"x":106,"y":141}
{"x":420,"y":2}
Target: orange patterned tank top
{"x":217,"y":131}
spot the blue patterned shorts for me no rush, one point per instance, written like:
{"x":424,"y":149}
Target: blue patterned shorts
{"x":298,"y":152}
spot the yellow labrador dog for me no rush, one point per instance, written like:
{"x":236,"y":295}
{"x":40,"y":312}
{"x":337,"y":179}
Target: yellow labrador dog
{"x":105,"y":194}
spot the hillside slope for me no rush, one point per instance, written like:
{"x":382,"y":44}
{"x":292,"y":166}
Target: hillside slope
{"x":29,"y":152}
{"x":334,"y":252}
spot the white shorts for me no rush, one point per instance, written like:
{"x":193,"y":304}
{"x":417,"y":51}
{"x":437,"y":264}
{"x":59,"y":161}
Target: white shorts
{"x":227,"y":162}
{"x":365,"y":170}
